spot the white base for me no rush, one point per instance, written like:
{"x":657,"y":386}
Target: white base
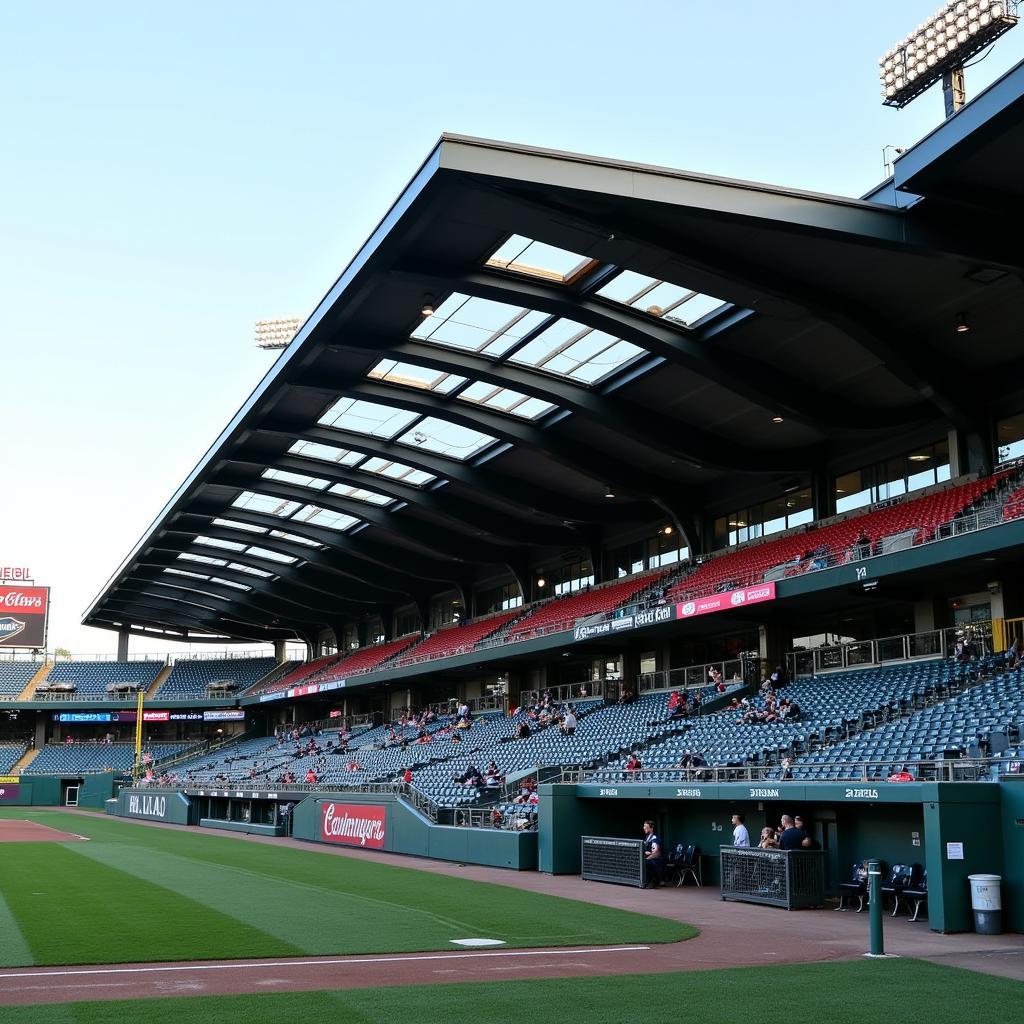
{"x":477,"y":942}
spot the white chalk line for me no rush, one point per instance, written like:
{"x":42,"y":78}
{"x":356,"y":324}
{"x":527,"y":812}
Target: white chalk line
{"x":321,"y":963}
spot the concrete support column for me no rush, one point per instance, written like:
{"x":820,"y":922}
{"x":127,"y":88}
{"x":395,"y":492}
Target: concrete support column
{"x":122,"y":645}
{"x":279,"y":655}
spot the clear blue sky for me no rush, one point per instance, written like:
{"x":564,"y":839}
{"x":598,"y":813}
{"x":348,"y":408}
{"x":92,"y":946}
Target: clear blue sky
{"x":169,"y":177}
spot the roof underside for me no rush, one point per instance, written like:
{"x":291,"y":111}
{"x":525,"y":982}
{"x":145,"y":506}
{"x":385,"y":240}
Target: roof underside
{"x":596,"y":327}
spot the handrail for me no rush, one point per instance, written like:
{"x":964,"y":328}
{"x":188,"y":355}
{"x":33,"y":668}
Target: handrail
{"x":929,"y":770}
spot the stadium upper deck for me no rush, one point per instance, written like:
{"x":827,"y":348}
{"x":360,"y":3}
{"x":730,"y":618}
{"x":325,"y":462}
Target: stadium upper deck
{"x":541,"y":362}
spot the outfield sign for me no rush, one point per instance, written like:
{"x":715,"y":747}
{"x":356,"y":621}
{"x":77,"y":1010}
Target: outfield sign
{"x":175,"y":808}
{"x":623,"y":624}
{"x":353,"y":824}
{"x":23,"y":612}
{"x":730,"y":599}
{"x":225,"y":715}
{"x":10,"y":789}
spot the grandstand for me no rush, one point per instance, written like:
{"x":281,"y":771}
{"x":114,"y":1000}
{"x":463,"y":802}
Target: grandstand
{"x":16,"y":675}
{"x":584,"y":427}
{"x":83,"y":758}
{"x":196,"y":678}
{"x":97,"y":678}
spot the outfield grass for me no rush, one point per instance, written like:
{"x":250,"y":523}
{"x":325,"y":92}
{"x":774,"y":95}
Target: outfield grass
{"x":910,"y":991}
{"x":135,"y":893}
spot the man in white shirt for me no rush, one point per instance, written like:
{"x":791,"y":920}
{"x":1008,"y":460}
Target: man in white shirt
{"x":740,"y":835}
{"x":569,"y":723}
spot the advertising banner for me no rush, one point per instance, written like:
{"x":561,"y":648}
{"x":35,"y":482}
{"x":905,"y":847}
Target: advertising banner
{"x":227,"y":715}
{"x":353,"y":824}
{"x":23,"y":613}
{"x":731,"y":599}
{"x":9,"y":792}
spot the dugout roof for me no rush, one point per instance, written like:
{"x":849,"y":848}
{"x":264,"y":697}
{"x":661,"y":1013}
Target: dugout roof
{"x":535,"y":348}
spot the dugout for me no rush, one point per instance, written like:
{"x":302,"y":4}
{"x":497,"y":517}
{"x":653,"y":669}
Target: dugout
{"x":932,"y":824}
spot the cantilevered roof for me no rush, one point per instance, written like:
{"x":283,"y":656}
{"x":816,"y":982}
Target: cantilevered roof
{"x":527,"y":331}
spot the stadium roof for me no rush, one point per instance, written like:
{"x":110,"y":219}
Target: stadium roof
{"x":528,"y":332}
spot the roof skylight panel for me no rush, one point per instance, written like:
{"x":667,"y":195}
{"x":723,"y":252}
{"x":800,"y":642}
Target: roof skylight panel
{"x":411,"y":375}
{"x":251,"y":570}
{"x":294,"y":538}
{"x":234,"y":524}
{"x":300,"y":479}
{"x":330,"y":520}
{"x":230,"y":583}
{"x":478,"y":325}
{"x":366,"y":418}
{"x":272,"y":556}
{"x":361,"y":494}
{"x":659,"y":298}
{"x":216,"y":542}
{"x":185,"y":572}
{"x":326,"y":453}
{"x":188,"y":556}
{"x":253,"y":502}
{"x":444,"y":438}
{"x":569,"y":349}
{"x":522,"y":255}
{"x":397,"y":471}
{"x":505,"y":400}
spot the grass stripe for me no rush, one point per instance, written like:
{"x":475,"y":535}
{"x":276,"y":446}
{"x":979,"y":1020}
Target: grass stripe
{"x":325,"y":904}
{"x":72,"y":910}
{"x":13,"y":947}
{"x":840,"y":993}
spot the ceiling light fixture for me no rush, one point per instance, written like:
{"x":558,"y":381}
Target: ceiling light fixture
{"x":608,"y":492}
{"x":777,"y":419}
{"x":428,"y":306}
{"x":962,"y":326}
{"x":541,"y":582}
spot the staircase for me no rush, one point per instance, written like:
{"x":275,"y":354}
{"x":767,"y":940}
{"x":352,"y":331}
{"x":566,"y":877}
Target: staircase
{"x":24,"y":761}
{"x":29,"y":691}
{"x":159,"y":681}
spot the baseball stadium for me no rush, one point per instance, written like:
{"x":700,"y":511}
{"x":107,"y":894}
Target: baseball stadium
{"x":612,"y":603}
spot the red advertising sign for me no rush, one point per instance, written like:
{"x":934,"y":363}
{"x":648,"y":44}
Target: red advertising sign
{"x":23,"y":616}
{"x":302,"y":691}
{"x":353,"y":824}
{"x":731,"y":599}
{"x":156,"y":716}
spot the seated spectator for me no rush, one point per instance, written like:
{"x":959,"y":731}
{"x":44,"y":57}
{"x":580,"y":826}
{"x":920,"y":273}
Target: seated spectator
{"x":311,"y":779}
{"x":633,"y":764}
{"x":673,"y":701}
{"x":407,"y":777}
{"x":786,"y":769}
{"x":524,"y":731}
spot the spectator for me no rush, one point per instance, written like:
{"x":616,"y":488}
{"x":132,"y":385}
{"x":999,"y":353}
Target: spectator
{"x":673,"y":701}
{"x":407,"y":777}
{"x":740,"y":835}
{"x":652,"y":856}
{"x":768,"y":840}
{"x":311,"y":779}
{"x":810,"y":843}
{"x":569,"y":723}
{"x":792,"y":838}
{"x":633,"y":764}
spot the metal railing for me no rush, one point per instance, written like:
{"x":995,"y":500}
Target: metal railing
{"x":930,"y":770}
{"x":127,"y":696}
{"x":565,"y":693}
{"x":744,"y":670}
{"x":933,"y":643}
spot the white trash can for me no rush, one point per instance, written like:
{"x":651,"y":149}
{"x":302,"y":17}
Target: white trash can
{"x":987,"y":904}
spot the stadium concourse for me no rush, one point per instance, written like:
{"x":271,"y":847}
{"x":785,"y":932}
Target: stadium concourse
{"x":593,"y":494}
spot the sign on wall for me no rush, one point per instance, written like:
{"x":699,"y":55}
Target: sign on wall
{"x":23,"y":612}
{"x":353,"y":824}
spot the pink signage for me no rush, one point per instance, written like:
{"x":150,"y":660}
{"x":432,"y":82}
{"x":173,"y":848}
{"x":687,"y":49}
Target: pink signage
{"x":725,"y":601}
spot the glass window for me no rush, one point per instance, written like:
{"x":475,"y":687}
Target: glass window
{"x":266,"y":503}
{"x":525,"y":256}
{"x":659,"y":298}
{"x":369,"y":418}
{"x":326,"y":453}
{"x":1010,"y":438}
{"x":299,"y":479}
{"x":411,"y":375}
{"x":479,"y":325}
{"x":444,"y":438}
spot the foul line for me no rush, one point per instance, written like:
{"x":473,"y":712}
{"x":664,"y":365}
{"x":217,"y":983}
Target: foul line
{"x":324,"y":963}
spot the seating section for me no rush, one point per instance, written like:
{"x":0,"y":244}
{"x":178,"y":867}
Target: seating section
{"x":86,"y":758}
{"x":191,"y":679}
{"x":364,"y":659}
{"x":10,"y":754}
{"x":452,"y":640}
{"x":563,"y":612}
{"x":984,"y":719}
{"x":832,"y":707}
{"x":823,"y":545}
{"x":93,"y":677}
{"x":1014,"y":507}
{"x":16,"y":675}
{"x":298,"y":675}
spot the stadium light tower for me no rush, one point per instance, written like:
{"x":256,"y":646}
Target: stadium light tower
{"x":276,"y":334}
{"x":940,"y":47}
